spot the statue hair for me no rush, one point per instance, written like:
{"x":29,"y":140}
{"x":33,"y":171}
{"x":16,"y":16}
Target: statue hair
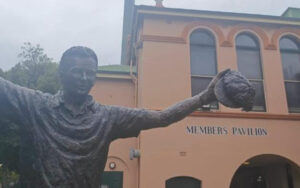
{"x":75,"y":51}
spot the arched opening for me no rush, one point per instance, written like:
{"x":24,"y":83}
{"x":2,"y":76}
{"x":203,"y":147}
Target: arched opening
{"x":267,"y":171}
{"x":183,"y":181}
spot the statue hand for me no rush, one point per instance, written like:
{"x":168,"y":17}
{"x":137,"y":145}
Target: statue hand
{"x":209,"y":92}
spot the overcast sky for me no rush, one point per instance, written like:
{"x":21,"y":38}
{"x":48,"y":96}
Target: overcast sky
{"x":59,"y":24}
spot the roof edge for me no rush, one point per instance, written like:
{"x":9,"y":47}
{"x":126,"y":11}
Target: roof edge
{"x":143,"y":9}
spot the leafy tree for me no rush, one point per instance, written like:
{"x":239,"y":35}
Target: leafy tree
{"x":35,"y":70}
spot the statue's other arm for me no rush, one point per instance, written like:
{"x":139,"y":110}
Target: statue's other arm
{"x":15,"y":101}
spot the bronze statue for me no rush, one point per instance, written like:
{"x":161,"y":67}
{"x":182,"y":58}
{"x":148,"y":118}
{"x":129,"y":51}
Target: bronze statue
{"x":65,"y":137}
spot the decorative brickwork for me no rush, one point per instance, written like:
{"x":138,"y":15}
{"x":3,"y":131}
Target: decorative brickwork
{"x":283,"y":31}
{"x":251,"y":28}
{"x":205,"y":25}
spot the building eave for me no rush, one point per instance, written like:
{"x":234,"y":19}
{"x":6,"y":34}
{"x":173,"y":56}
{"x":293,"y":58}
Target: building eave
{"x":226,"y":16}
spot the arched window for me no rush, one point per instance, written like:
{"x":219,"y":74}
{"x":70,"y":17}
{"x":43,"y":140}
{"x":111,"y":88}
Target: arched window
{"x":249,"y":64}
{"x":180,"y":182}
{"x":203,"y":61}
{"x":290,"y":57}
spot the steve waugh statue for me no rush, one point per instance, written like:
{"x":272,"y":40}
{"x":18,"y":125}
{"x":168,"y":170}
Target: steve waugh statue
{"x":66,"y":136}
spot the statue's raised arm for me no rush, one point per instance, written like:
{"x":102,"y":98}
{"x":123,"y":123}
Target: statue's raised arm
{"x":228,"y":87}
{"x":181,"y":109}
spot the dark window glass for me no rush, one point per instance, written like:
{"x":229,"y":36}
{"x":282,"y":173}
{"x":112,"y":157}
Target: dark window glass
{"x":293,"y":95}
{"x":290,"y":58}
{"x":244,"y":40}
{"x":259,"y":100}
{"x":287,"y":43}
{"x":249,"y":64}
{"x":183,"y":182}
{"x":291,"y":65}
{"x":202,"y":37}
{"x":203,"y":61}
{"x":112,"y":179}
{"x":199,"y":84}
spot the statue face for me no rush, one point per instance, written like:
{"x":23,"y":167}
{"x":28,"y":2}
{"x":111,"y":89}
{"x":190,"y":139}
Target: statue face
{"x":80,"y":78}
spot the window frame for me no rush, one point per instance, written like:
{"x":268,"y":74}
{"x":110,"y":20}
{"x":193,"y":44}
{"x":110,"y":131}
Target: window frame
{"x":257,"y":49}
{"x":296,"y":41}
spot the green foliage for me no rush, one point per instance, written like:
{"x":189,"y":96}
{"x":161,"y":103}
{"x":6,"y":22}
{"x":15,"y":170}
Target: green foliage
{"x":17,"y":75}
{"x":2,"y":74}
{"x":8,"y":178}
{"x":49,"y":81}
{"x":35,"y":70}
{"x":9,"y":145}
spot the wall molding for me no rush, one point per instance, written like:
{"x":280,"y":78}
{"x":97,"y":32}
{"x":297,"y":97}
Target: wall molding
{"x":159,"y":38}
{"x":248,"y":115}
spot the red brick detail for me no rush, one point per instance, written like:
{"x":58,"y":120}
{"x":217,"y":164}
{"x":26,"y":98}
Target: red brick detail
{"x":252,"y":28}
{"x":205,"y":25}
{"x":284,"y":31}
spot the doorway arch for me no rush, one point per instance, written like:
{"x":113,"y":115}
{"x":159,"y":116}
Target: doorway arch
{"x":183,"y":181}
{"x":267,"y":171}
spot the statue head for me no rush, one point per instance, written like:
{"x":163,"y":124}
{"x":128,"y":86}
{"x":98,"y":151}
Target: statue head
{"x":77,"y":70}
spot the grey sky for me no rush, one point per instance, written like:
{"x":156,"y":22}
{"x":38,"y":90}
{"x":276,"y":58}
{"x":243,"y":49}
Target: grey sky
{"x":59,"y":24}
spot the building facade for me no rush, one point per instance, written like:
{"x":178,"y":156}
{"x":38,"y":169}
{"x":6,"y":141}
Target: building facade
{"x":172,"y":54}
